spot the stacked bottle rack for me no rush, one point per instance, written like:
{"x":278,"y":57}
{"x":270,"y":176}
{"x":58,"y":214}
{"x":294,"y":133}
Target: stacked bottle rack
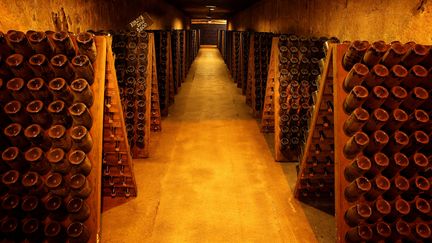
{"x":131,"y":51}
{"x":245,"y":45}
{"x":163,"y":61}
{"x":117,"y":165}
{"x":381,"y":141}
{"x":299,"y":63}
{"x":261,"y":47}
{"x":52,"y":95}
{"x":268,"y":114}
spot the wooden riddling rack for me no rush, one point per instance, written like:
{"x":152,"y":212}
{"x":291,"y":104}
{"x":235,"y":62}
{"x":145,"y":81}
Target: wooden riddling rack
{"x":12,"y":193}
{"x":382,"y":169}
{"x":261,"y":46}
{"x":133,"y":64}
{"x":192,"y":47}
{"x":247,"y":56}
{"x":244,"y":65}
{"x":268,"y":114}
{"x":164,"y":69}
{"x":117,"y":164}
{"x":178,"y":57}
{"x":240,"y":59}
{"x":295,"y":68}
{"x":222,"y":43}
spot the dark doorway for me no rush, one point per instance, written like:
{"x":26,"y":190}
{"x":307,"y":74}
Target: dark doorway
{"x":209,"y":30}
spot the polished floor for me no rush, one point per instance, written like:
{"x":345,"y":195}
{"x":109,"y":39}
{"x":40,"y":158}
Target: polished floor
{"x":211,"y":176}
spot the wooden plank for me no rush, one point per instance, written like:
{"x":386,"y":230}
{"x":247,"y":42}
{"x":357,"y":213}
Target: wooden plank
{"x":340,"y":141}
{"x":96,"y":132}
{"x":267,"y":119}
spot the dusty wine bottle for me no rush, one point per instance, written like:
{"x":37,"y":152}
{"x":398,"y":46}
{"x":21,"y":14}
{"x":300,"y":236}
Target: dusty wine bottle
{"x":83,"y":68}
{"x":355,"y":144}
{"x":356,"y":97}
{"x":376,"y":76}
{"x":357,"y":214}
{"x":36,"y":158}
{"x":399,"y":161}
{"x":393,"y":55}
{"x":16,"y":113}
{"x":39,"y":114}
{"x":415,"y":98}
{"x":379,"y":161}
{"x":41,"y":66}
{"x":380,"y":184}
{"x":15,"y":134}
{"x":380,"y":208}
{"x":377,"y":141}
{"x":81,"y":115}
{"x":19,"y":43}
{"x":359,"y":233}
{"x":355,"y":121}
{"x":86,"y":45}
{"x":40,"y":43}
{"x":374,"y":53}
{"x":354,"y":54}
{"x":396,"y":76}
{"x":357,"y":188}
{"x":39,"y":90}
{"x":63,"y":44}
{"x":355,"y":76}
{"x":416,"y":76}
{"x":16,"y":87}
{"x":357,"y":168}
{"x":59,"y":113}
{"x":377,"y":97}
{"x":377,"y":119}
{"x":415,"y":55}
{"x":62,"y":67}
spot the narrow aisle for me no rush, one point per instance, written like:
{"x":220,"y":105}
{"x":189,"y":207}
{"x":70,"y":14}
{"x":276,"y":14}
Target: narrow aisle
{"x":211,"y":176}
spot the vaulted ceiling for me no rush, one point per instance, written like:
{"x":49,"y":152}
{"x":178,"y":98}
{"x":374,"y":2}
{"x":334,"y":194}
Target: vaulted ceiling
{"x":224,"y":8}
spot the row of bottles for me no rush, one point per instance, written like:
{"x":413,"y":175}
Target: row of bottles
{"x":46,"y":90}
{"x":261,"y":60}
{"x":387,"y":175}
{"x":163,"y":59}
{"x":131,"y":49}
{"x":300,"y":67}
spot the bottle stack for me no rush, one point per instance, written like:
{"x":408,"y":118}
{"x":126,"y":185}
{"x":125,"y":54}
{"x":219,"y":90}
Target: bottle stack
{"x":261,"y":58}
{"x":46,"y":97}
{"x":131,"y":49}
{"x":245,"y":37}
{"x":299,"y":70}
{"x":162,"y":40}
{"x":383,"y":143}
{"x":315,"y":182}
{"x":117,"y":165}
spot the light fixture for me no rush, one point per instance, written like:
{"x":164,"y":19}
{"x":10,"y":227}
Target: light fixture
{"x":210,"y":21}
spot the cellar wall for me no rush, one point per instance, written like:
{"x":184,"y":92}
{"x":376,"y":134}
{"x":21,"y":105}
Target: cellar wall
{"x":387,"y":20}
{"x":82,"y":15}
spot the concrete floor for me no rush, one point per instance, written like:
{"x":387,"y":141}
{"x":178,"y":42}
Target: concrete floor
{"x":211,"y":176}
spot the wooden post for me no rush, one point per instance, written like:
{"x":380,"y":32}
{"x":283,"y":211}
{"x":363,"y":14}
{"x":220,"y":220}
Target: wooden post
{"x":268,"y":116}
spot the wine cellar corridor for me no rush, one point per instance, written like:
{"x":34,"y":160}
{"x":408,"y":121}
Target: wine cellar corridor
{"x":211,"y":176}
